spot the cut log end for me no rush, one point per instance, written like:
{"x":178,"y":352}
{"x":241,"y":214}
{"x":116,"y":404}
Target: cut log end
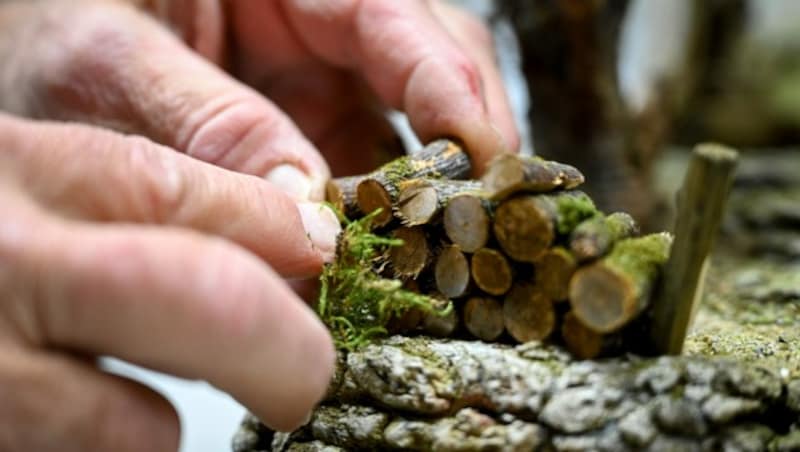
{"x":523,"y":228}
{"x":452,"y":272}
{"x":491,"y":271}
{"x":512,"y":173}
{"x":483,"y":318}
{"x":580,"y":340}
{"x":372,"y":195}
{"x":466,"y":222}
{"x":554,"y":271}
{"x":528,"y":314}
{"x":417,"y":203}
{"x":602,"y":299}
{"x":409,"y":259}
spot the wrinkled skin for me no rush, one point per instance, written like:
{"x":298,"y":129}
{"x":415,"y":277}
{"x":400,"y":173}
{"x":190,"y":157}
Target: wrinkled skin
{"x":159,"y":167}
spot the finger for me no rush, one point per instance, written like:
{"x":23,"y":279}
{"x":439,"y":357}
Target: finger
{"x":477,"y":42}
{"x":105,"y":63}
{"x":411,"y":62}
{"x":178,"y":302}
{"x":99,"y":175}
{"x":55,"y":403}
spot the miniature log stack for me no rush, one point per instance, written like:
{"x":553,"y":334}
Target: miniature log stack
{"x":522,"y":254}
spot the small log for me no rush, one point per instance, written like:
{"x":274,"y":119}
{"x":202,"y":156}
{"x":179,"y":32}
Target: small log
{"x":612,"y":291}
{"x":483,"y":317}
{"x":380,"y":189}
{"x":553,"y":272}
{"x":440,"y":325}
{"x":451,"y":272}
{"x":513,"y":173}
{"x":409,"y":259}
{"x":491,"y":271}
{"x":528,"y":314}
{"x":467,"y":221}
{"x":420,"y":200}
{"x":584,"y":343}
{"x":341,"y":193}
{"x":701,"y":204}
{"x":527,"y":225}
{"x":594,"y":237}
{"x":405,"y":322}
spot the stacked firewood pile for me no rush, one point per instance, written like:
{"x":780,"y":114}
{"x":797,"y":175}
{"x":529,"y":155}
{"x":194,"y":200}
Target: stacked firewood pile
{"x":522,"y":253}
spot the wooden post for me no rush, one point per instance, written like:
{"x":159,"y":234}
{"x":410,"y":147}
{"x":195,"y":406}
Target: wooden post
{"x":701,"y":204}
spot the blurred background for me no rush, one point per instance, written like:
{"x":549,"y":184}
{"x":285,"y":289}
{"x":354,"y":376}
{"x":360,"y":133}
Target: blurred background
{"x":609,"y":86}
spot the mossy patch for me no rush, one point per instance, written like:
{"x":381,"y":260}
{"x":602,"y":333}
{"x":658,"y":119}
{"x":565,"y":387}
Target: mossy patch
{"x":356,"y":302}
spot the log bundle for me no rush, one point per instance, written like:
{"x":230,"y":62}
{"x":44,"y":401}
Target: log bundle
{"x":522,"y":253}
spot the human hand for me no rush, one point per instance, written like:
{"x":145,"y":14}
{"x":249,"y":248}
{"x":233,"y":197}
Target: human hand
{"x":114,"y":245}
{"x":330,"y":67}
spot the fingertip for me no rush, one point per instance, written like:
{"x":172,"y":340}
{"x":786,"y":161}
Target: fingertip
{"x":322,"y":227}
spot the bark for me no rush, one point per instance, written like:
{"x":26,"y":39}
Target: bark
{"x":491,"y":271}
{"x":527,"y":226}
{"x":467,"y":221}
{"x":483,"y":318}
{"x":528,"y":314}
{"x":554,"y":271}
{"x":512,"y":173}
{"x":413,"y":256}
{"x":444,"y":395}
{"x":608,"y":294}
{"x":341,"y":193}
{"x":596,"y":236}
{"x":452,"y":272}
{"x":380,"y":189}
{"x":421,"y":200}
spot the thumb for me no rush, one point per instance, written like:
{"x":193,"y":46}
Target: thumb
{"x":106,"y":63}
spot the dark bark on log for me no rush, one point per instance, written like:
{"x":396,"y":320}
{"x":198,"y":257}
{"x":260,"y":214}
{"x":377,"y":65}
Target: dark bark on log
{"x":483,"y":318}
{"x":423,"y":394}
{"x":413,"y":256}
{"x":467,"y":221}
{"x":528,"y":314}
{"x":452,"y":272}
{"x":596,"y":236}
{"x":491,"y":271}
{"x":512,"y":173}
{"x":554,"y":271}
{"x":341,"y":193}
{"x":421,"y":200}
{"x":380,"y":189}
{"x":440,"y":325}
{"x":611,"y":292}
{"x":526,"y":226}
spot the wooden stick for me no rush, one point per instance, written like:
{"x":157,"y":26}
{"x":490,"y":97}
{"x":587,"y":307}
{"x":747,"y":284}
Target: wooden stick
{"x":451,"y":272}
{"x":483,"y":318}
{"x":409,"y":259}
{"x":553,"y":272}
{"x":584,"y":343}
{"x":527,"y":225}
{"x":491,"y":271}
{"x":512,"y":173}
{"x":341,"y":193}
{"x":467,"y":221}
{"x":528,"y":314}
{"x":701,"y":204}
{"x":612,"y":291}
{"x":420,"y":200}
{"x":594,"y":237}
{"x":379,"y":190}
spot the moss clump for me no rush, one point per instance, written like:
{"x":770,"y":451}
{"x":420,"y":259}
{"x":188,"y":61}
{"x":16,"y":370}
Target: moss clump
{"x":641,"y":255}
{"x":574,"y":209}
{"x":355,"y":302}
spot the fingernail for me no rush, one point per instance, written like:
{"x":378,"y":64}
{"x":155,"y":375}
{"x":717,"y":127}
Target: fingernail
{"x":322,"y":227}
{"x":291,"y":180}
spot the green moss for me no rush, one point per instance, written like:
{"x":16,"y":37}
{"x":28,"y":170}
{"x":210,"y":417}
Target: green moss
{"x":355,"y":302}
{"x":641,"y":255}
{"x":573,"y":208}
